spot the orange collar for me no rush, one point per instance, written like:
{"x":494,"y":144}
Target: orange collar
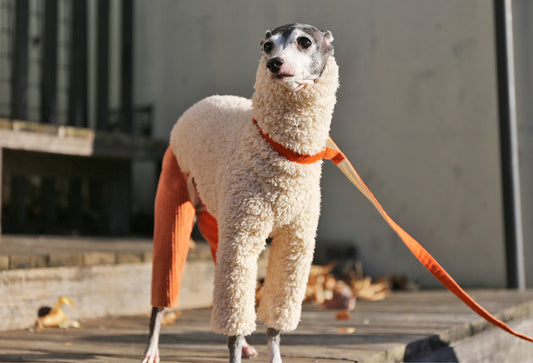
{"x":328,"y":153}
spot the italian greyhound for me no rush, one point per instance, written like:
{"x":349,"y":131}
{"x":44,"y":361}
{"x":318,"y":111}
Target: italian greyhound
{"x":295,"y":57}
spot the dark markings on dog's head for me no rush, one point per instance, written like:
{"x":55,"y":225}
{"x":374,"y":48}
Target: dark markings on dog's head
{"x":319,"y":53}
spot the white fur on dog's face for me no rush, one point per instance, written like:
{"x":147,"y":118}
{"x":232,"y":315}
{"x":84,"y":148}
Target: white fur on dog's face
{"x":303,"y":51}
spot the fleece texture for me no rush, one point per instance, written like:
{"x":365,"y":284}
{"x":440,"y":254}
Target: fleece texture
{"x":253,"y":192}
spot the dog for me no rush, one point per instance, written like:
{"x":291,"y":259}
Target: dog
{"x":255,"y":167}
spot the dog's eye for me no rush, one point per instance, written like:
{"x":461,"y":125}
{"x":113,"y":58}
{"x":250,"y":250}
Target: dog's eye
{"x":304,"y":42}
{"x":268,"y":47}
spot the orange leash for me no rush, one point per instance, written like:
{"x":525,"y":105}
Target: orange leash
{"x":414,"y":246}
{"x":333,"y":153}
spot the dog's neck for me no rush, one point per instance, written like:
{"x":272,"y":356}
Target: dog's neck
{"x":300,"y":120}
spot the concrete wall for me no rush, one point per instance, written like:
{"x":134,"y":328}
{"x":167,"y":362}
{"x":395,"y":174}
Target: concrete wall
{"x":416,"y":114}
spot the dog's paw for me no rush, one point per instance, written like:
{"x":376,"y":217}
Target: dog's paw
{"x":151,"y":356}
{"x":151,"y":359}
{"x":248,"y":351}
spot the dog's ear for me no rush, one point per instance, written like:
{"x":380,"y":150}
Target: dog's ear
{"x":328,"y":39}
{"x":328,"y":36}
{"x":268,"y":34}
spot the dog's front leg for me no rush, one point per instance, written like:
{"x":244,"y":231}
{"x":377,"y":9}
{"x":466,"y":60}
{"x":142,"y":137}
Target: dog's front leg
{"x":273,"y":337}
{"x":240,"y":244}
{"x":151,"y":354}
{"x":235,"y":343}
{"x":289,"y":262}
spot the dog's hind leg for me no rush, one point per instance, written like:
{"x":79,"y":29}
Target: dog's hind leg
{"x":151,"y":354}
{"x":174,"y":218}
{"x":173,"y":223}
{"x":208,"y":227}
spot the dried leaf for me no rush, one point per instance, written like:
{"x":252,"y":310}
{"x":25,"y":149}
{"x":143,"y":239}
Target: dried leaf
{"x":170,"y":317}
{"x":67,"y":324}
{"x":343,"y":315}
{"x":318,"y":270}
{"x":342,"y":298}
{"x":367,"y":290}
{"x":348,"y":330}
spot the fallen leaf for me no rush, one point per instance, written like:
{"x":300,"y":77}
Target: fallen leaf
{"x":343,"y":315}
{"x":69,"y":324}
{"x":349,"y":330}
{"x":342,"y":298}
{"x":170,"y":317}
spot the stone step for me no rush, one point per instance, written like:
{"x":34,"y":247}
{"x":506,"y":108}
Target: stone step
{"x":103,"y":277}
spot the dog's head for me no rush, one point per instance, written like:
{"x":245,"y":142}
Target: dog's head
{"x":296,"y":54}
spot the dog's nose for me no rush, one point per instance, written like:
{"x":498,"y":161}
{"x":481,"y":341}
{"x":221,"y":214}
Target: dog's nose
{"x":274,"y":64}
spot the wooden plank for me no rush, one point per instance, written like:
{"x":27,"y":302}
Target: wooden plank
{"x":19,"y":61}
{"x":126,"y":119}
{"x":48,"y":94}
{"x":102,"y":83}
{"x":77,"y":107}
{"x":317,"y":338}
{"x":49,"y":63}
{"x":21,"y":135}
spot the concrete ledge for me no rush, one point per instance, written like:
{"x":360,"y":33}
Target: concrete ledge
{"x":26,"y":252}
{"x":101,"y":283}
{"x":16,"y":262}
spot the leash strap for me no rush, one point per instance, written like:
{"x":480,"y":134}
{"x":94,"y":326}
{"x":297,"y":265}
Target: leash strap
{"x":333,"y":153}
{"x":414,"y":246}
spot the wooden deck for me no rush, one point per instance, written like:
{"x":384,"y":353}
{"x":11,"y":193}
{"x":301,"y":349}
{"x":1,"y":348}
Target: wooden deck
{"x":109,"y":276}
{"x":419,"y":326}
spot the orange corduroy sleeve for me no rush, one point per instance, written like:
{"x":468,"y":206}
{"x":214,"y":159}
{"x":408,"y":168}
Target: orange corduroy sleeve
{"x":174,"y":218}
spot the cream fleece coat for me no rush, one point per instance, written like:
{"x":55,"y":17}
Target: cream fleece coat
{"x":255,"y":193}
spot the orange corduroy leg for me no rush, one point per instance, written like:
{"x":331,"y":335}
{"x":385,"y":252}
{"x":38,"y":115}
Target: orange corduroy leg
{"x":174,"y":218}
{"x":207,"y":224}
